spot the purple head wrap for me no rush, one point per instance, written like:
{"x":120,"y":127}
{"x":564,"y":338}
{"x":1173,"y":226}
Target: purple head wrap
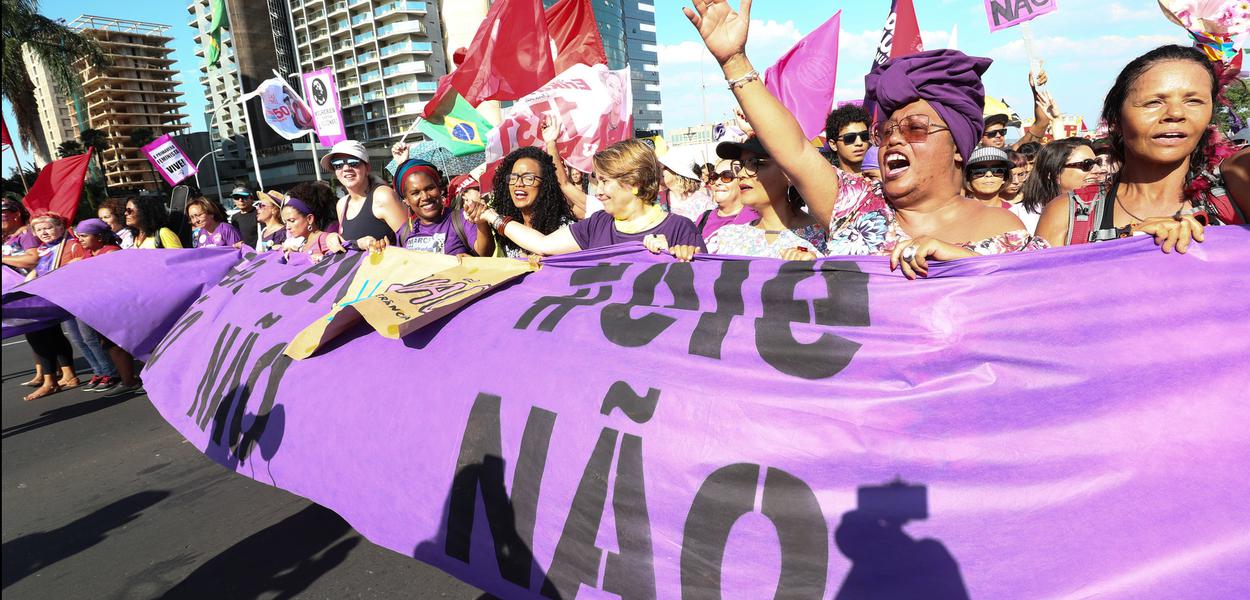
{"x":93,"y":227}
{"x":298,"y":205}
{"x":948,"y":79}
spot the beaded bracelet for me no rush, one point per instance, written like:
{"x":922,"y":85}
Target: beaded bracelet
{"x":752,"y":75}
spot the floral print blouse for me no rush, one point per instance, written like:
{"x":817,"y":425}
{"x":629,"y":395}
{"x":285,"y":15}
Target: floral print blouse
{"x":749,"y":240}
{"x":863,"y":224}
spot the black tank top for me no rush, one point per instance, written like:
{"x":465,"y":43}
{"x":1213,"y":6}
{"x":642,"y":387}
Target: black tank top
{"x":365,"y":223}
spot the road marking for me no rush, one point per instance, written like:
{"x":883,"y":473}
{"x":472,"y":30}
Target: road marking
{"x":21,"y":341}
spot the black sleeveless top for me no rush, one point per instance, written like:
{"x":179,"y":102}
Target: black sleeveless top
{"x":365,"y":223}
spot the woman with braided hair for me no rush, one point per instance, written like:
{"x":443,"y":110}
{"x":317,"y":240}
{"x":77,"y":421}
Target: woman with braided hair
{"x":1170,"y":186}
{"x":527,"y":191}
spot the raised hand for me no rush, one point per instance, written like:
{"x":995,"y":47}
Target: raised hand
{"x":723,"y":30}
{"x":550,"y":128}
{"x":400,"y":152}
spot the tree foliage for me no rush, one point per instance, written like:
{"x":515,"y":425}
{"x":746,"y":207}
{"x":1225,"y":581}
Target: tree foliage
{"x":69,"y":148}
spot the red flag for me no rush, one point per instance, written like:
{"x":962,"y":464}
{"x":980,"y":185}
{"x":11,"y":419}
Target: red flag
{"x":4,"y":133}
{"x":575,"y":33}
{"x":58,"y":187}
{"x":510,"y":57}
{"x":899,"y":37}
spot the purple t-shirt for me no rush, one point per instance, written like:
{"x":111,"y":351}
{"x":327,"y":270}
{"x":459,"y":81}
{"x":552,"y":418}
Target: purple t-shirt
{"x":224,"y":235}
{"x":438,"y":237}
{"x":599,"y":230}
{"x":272,"y":241}
{"x":714,"y":221}
{"x":20,"y":243}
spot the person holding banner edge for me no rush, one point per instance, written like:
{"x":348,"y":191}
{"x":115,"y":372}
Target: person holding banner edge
{"x":627,"y":178}
{"x":932,"y":106}
{"x":435,"y":223}
{"x":370,"y":210}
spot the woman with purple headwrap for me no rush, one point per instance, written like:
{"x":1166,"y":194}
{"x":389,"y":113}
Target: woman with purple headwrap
{"x":932,"y":106}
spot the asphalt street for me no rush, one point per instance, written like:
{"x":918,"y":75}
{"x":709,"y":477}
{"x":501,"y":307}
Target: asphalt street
{"x":103,"y":499}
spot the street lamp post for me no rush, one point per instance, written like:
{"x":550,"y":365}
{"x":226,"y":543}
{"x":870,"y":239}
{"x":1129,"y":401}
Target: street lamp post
{"x":216,"y":180}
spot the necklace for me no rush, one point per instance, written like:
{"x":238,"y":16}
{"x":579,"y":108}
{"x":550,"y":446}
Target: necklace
{"x":652,"y":215}
{"x":1135,"y":217}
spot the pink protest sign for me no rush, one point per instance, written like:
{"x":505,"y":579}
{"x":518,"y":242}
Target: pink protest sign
{"x":322,"y":94}
{"x":1008,"y":13}
{"x":169,"y":160}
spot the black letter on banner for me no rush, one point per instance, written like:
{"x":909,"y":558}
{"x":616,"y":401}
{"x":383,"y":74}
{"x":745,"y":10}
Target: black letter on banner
{"x":235,"y":278}
{"x":227,"y":391}
{"x":300,"y":283}
{"x":624,"y":330}
{"x":710,"y":332}
{"x":639,"y":409}
{"x":480,"y":464}
{"x":576,"y":560}
{"x":346,"y":266}
{"x":1002,"y":11}
{"x":790,"y":504}
{"x":203,"y":391}
{"x":845,"y":306}
{"x":630,"y":574}
{"x":277,"y":362}
{"x":586,"y":276}
{"x":179,"y":328}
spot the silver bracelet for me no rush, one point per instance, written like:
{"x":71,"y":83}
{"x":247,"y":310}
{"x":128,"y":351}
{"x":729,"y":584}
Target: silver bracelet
{"x":734,"y":84}
{"x":496,"y":222}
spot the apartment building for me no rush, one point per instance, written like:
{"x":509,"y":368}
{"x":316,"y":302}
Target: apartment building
{"x":58,"y":122}
{"x":136,"y":91}
{"x":386,"y":56}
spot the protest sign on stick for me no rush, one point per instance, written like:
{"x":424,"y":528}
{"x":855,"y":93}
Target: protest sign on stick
{"x":1007,"y":13}
{"x":170,"y":161}
{"x":322,"y":93}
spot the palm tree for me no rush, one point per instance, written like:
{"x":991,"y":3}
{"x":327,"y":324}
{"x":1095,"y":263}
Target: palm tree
{"x":54,"y":45}
{"x":98,"y":142}
{"x":140,"y":137}
{"x":69,"y":148}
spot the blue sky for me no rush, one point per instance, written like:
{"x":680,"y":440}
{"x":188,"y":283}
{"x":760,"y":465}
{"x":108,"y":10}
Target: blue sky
{"x":1084,"y":46}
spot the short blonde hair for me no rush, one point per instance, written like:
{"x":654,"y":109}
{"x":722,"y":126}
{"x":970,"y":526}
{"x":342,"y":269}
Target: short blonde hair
{"x":631,"y":162}
{"x":56,"y":219}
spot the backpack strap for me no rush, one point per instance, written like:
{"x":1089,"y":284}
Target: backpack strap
{"x":160,"y":243}
{"x":1085,"y":207}
{"x":457,"y":224}
{"x":1226,"y":210}
{"x":703,"y":219}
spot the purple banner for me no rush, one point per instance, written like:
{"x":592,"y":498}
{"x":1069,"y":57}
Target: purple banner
{"x":1053,"y":424}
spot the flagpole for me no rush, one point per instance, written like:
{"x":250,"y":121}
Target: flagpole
{"x":299,"y":71}
{"x":20,"y":174}
{"x":411,"y":128}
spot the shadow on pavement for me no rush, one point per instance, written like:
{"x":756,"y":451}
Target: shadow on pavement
{"x":29,"y":553}
{"x":85,"y":407}
{"x":280,"y":561}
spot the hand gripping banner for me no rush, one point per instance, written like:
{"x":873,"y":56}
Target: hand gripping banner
{"x":1059,"y":424}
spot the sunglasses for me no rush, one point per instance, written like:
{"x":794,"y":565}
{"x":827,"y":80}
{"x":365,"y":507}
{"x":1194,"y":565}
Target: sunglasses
{"x":979,"y":172}
{"x":1086,"y":165}
{"x":339,"y":163}
{"x":130,"y":211}
{"x":915,"y":129}
{"x":748,"y":168}
{"x":722,"y":177}
{"x":849,"y":138}
{"x":996,"y":133}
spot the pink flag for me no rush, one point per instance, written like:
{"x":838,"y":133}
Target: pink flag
{"x":803,"y":79}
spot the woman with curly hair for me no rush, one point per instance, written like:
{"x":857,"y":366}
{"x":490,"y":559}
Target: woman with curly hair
{"x":113,"y":212}
{"x":628,"y":184}
{"x":1159,"y":112}
{"x":147,"y":216}
{"x":527,"y":192}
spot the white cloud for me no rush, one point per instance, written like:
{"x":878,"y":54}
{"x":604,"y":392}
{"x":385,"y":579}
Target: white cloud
{"x":685,"y":52}
{"x":1079,"y":51}
{"x":1118,"y":12}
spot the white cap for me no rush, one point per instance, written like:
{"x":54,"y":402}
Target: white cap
{"x":681,"y":160}
{"x":345,"y":148}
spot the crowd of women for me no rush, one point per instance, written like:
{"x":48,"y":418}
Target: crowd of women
{"x":930,"y":178}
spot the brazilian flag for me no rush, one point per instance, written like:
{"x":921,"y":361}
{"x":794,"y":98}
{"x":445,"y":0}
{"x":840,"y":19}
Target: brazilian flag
{"x":461,"y":131}
{"x":217,"y":22}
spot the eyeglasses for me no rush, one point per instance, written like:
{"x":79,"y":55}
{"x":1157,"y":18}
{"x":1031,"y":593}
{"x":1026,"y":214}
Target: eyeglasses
{"x":749,"y":167}
{"x":130,"y":210}
{"x":979,"y":172}
{"x":339,"y":163}
{"x":1086,"y":165}
{"x":527,"y":179}
{"x":915,"y":129}
{"x":849,"y":138}
{"x":996,"y":133}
